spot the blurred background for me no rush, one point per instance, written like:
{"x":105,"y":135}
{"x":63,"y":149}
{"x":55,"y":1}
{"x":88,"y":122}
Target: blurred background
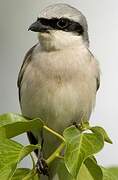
{"x":15,"y":40}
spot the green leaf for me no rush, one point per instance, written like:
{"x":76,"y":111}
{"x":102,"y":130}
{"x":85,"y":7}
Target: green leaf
{"x":20,"y":173}
{"x":100,"y":130}
{"x":12,"y":125}
{"x":114,"y":171}
{"x":85,"y":173}
{"x":11,"y":153}
{"x":70,"y":133}
{"x":110,"y":173}
{"x":79,"y":146}
{"x":62,"y":171}
{"x":93,"y":169}
{"x":107,"y":175}
{"x":7,"y":172}
{"x":24,"y":174}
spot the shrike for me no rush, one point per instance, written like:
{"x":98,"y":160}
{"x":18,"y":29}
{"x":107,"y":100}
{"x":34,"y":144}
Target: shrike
{"x":59,"y":77}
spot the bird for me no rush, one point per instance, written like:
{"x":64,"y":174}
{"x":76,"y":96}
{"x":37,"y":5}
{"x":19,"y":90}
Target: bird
{"x":60,"y":76}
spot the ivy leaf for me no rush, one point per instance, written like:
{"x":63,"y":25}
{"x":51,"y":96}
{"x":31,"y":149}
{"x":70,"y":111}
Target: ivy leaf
{"x":79,"y":146}
{"x":113,"y":171}
{"x":100,"y":130}
{"x":11,"y":153}
{"x":62,"y":171}
{"x":94,"y":169}
{"x":110,"y":173}
{"x":24,"y":173}
{"x":88,"y":171}
{"x":84,"y":174}
{"x":12,"y":125}
{"x":107,"y":175}
{"x":21,"y":173}
{"x":7,"y":172}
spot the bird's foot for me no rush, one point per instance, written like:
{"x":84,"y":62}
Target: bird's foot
{"x":82,"y":126}
{"x":76,"y":125}
{"x":42,"y":167}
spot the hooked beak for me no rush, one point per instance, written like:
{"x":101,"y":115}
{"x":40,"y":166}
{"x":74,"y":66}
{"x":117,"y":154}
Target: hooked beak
{"x":38,"y":27}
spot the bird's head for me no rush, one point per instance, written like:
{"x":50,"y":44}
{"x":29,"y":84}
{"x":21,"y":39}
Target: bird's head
{"x":60,"y":26}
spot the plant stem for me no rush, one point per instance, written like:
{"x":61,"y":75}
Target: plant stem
{"x":60,"y":157}
{"x":56,"y":153}
{"x":55,"y":133}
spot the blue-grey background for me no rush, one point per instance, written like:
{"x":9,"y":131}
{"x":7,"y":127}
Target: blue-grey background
{"x":15,"y":40}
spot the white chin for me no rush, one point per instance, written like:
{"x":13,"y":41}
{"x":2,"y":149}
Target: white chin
{"x":56,"y":40}
{"x":44,"y":34}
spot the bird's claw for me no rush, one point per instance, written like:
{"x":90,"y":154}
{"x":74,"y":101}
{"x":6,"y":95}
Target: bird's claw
{"x":42,"y":167}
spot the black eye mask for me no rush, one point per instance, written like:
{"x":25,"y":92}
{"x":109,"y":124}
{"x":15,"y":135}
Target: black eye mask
{"x":62,"y":24}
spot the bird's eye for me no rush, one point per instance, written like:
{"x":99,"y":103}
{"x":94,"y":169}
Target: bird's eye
{"x":62,"y":23}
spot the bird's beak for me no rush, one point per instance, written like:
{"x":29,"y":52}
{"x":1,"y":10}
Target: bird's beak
{"x":38,"y":27}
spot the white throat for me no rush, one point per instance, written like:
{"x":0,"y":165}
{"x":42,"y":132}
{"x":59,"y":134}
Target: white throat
{"x":57,"y":40}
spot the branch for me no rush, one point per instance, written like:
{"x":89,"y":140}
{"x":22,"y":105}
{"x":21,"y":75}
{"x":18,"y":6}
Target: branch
{"x":55,"y":133}
{"x":56,"y":153}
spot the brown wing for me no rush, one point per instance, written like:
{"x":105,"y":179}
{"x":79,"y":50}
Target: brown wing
{"x":26,"y":61}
